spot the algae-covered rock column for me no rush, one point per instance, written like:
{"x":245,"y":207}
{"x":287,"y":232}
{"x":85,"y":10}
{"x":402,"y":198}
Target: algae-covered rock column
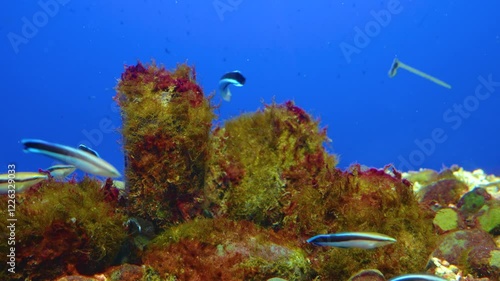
{"x":166,"y":126}
{"x":253,"y":158}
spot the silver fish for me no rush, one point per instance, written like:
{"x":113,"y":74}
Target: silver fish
{"x":61,"y":171}
{"x":82,"y":160}
{"x":20,"y":180}
{"x":362,"y":240}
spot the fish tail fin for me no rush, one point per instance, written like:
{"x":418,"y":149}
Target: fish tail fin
{"x":226,"y":94}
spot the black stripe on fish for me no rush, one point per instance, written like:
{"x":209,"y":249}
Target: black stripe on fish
{"x":349,"y":236}
{"x":343,"y":238}
{"x":43,"y":146}
{"x":60,"y":167}
{"x":234,"y":76}
{"x":17,"y":180}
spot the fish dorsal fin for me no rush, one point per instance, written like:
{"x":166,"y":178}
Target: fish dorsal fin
{"x":88,"y":150}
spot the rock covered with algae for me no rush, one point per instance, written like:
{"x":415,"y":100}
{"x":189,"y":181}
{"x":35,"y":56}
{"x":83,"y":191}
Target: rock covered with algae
{"x":63,"y":228}
{"x":255,"y":159}
{"x":378,"y":201}
{"x":467,"y":216}
{"x":166,"y":126}
{"x":222,"y":249}
{"x":262,"y":172}
{"x":472,"y":250}
{"x":239,"y":201}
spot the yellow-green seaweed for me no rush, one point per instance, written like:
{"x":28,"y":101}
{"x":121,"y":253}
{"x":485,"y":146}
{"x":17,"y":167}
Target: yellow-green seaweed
{"x":62,"y":226}
{"x":166,"y":126}
{"x":446,"y":219}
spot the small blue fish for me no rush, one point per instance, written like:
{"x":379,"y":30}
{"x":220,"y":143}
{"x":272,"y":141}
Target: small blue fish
{"x":362,"y":240}
{"x":417,"y":277}
{"x":82,"y":160}
{"x":61,"y":171}
{"x":231,"y":78}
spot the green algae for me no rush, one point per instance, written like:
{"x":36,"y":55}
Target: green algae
{"x":451,"y":242}
{"x":495,"y":258}
{"x":292,"y":264}
{"x":446,"y":219}
{"x":489,"y":220}
{"x":471,"y":202}
{"x":423,"y":177}
{"x":150,"y":274}
{"x":250,"y":155}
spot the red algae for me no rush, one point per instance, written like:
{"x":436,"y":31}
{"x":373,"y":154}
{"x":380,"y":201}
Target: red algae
{"x":166,"y":126}
{"x":301,"y":115}
{"x":221,"y":249}
{"x":137,"y":79}
{"x":64,"y":228}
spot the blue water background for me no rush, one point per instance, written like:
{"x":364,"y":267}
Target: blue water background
{"x":58,"y":85}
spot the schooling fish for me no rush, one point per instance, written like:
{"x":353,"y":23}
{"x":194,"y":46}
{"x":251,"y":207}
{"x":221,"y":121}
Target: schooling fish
{"x":362,"y":240}
{"x":417,"y":277}
{"x":88,"y":150}
{"x":82,"y":160}
{"x":231,"y":78}
{"x":20,"y":180}
{"x":61,"y":171}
